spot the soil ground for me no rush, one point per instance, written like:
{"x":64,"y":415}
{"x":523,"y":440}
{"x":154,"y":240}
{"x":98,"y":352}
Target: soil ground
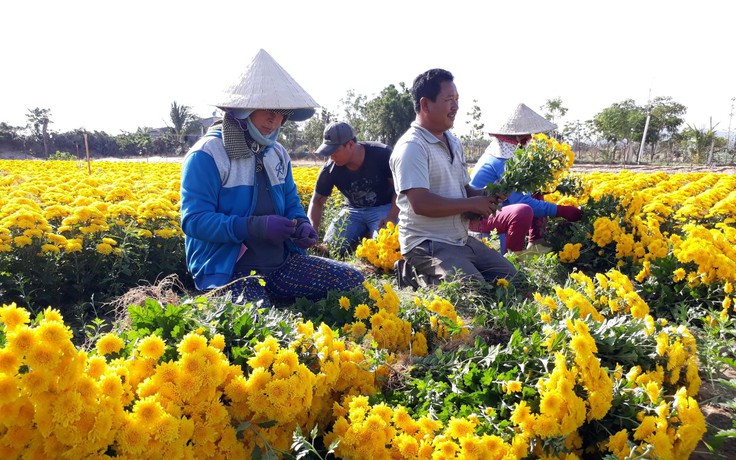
{"x":711,"y":397}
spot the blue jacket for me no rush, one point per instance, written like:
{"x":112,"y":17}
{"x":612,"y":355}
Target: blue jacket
{"x":217,"y":196}
{"x":489,"y":169}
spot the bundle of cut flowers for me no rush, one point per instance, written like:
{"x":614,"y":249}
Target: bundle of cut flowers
{"x":383,"y":250}
{"x":538,"y":166}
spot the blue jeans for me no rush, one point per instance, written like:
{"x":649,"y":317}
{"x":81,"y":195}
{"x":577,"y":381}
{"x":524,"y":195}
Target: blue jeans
{"x":351,"y":225}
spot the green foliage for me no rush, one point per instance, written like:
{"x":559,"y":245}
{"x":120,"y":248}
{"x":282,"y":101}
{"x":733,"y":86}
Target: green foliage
{"x":133,"y":144}
{"x":592,"y":257}
{"x":533,"y":168}
{"x":699,"y":142}
{"x":242,"y":325}
{"x":389,"y":114}
{"x":313,"y":130}
{"x":36,"y":278}
{"x":476,"y":141}
{"x":328,"y":310}
{"x":621,"y":120}
{"x":303,"y":447}
{"x":554,"y":109}
{"x":571,"y":184}
{"x":62,"y":156}
{"x":183,"y":121}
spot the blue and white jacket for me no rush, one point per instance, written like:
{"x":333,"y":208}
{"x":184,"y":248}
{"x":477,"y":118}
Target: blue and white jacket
{"x":217,"y":197}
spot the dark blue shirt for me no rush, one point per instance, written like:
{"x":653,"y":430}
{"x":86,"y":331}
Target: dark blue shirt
{"x":367,"y":187}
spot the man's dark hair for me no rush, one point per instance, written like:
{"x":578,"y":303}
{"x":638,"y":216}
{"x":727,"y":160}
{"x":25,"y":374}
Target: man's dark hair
{"x":428,"y":85}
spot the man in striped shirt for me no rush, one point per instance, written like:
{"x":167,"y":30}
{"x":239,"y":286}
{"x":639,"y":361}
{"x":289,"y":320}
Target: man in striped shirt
{"x":434,"y":197}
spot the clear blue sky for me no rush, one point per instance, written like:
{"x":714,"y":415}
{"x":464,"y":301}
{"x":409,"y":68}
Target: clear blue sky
{"x":117,"y":66}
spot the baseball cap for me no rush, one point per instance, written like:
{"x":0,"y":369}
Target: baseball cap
{"x":336,"y":134}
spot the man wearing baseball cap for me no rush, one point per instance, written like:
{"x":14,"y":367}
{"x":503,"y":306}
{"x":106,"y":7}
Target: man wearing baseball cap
{"x":361,"y":172}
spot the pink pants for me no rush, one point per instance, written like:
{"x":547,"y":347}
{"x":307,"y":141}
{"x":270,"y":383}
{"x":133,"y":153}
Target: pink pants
{"x":514,"y":221}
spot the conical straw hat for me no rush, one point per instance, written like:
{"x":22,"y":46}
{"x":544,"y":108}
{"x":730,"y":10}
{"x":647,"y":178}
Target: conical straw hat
{"x":266,"y":85}
{"x":524,"y":121}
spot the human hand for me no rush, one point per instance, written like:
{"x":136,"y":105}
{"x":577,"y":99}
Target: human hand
{"x":278,"y":228}
{"x":499,"y":198}
{"x":305,"y":235}
{"x":570,"y":213}
{"x":389,"y":218}
{"x":482,"y":205}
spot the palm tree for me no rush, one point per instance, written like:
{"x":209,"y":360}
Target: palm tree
{"x":554,"y":109}
{"x":701,"y":141}
{"x":182,"y":118}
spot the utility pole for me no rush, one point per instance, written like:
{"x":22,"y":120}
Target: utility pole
{"x":646,"y":127}
{"x":730,"y":118}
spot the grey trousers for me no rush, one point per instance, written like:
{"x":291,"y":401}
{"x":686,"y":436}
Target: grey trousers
{"x":474,"y":261}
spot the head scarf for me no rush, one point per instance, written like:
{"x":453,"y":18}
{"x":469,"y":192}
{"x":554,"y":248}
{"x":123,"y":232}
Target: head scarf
{"x":242,"y":139}
{"x":505,"y":146}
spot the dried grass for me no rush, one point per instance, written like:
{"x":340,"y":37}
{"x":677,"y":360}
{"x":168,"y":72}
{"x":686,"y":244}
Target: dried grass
{"x":166,"y":291}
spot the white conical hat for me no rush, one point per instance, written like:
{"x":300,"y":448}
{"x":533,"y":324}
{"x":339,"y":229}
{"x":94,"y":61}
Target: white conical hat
{"x":266,"y":85}
{"x":524,"y":121}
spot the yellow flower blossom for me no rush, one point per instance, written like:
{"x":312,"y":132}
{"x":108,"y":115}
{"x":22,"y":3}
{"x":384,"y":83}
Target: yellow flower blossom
{"x":109,"y":343}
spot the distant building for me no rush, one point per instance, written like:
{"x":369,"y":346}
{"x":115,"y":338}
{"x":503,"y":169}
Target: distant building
{"x":200,"y":126}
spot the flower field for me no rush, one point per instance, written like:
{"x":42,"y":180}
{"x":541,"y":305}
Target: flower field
{"x":598,"y":350}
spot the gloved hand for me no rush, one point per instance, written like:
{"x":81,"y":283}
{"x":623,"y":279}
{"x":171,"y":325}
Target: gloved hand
{"x":570,"y":213}
{"x":273,"y":228}
{"x":305,"y":235}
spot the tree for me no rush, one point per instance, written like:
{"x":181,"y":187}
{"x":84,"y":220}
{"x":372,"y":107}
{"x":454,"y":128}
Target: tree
{"x":666,"y":117}
{"x":103,"y":144}
{"x":38,"y":124}
{"x":70,"y":141}
{"x":182,"y":119}
{"x":621,"y":122}
{"x":137,"y":143}
{"x":353,"y":105}
{"x":579,"y":134}
{"x":289,"y":137}
{"x":702,"y":142}
{"x":389,"y":115}
{"x":10,"y":136}
{"x":314,"y":128}
{"x":554,"y":109}
{"x":475,"y":142}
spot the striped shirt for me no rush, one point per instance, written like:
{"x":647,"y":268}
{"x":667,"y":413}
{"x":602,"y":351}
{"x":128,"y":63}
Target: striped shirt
{"x":421,"y":160}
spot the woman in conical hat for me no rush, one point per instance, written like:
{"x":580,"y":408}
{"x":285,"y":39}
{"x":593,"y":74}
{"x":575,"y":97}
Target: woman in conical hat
{"x":240,"y":212}
{"x":522,"y":214}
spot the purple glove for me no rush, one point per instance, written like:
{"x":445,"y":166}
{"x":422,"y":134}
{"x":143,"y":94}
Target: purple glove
{"x":305,"y":235}
{"x":273,"y":228}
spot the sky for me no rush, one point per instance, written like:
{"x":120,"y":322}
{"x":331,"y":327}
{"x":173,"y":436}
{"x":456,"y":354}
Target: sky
{"x":117,"y":66}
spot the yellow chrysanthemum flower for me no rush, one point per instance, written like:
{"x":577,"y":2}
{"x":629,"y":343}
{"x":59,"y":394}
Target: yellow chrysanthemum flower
{"x":109,"y":343}
{"x":54,"y":333}
{"x":152,"y":347}
{"x":512,"y":386}
{"x":13,"y":316}
{"x":9,"y":362}
{"x":362,"y":311}
{"x":104,"y":248}
{"x":191,"y":343}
